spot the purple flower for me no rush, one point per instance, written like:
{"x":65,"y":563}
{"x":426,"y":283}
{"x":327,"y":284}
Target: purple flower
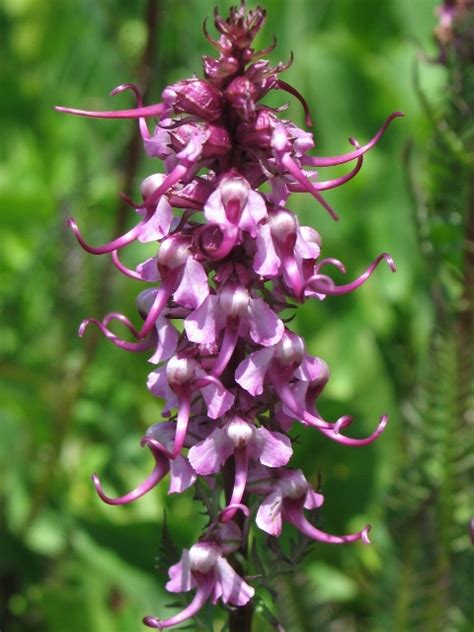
{"x":231,"y":258}
{"x":289,"y":494}
{"x":205,"y":568}
{"x":241,"y":439}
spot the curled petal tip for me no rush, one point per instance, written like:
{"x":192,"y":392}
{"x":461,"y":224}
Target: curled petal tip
{"x":365,"y":534}
{"x":390,"y":261}
{"x":82,"y":327}
{"x":341,"y":423}
{"x":229,"y":512}
{"x":152,"y":622}
{"x":124,"y":86}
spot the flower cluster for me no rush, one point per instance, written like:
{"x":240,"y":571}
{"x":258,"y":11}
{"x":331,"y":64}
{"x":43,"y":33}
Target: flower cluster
{"x":233,"y":376}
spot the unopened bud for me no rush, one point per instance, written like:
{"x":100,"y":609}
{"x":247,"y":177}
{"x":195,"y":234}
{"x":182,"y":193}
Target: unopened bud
{"x":195,"y":96}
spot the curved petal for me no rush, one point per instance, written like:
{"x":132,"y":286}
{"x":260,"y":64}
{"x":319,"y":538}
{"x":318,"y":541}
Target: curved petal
{"x":159,"y":472}
{"x":240,"y":481}
{"x":250,"y":373}
{"x":288,"y":162}
{"x":150,"y":110}
{"x":333,"y":433}
{"x":318,"y":284}
{"x":228,"y":344}
{"x":339,"y":160}
{"x":181,"y":579}
{"x":203,"y":592}
{"x":193,"y":287}
{"x":116,"y":244}
{"x":182,"y":475}
{"x":207,"y":456}
{"x":230,"y":586}
{"x":268,"y":516}
{"x":253,"y":213}
{"x":158,"y":225}
{"x":202,"y":326}
{"x":266,"y":261}
{"x":266,"y":328}
{"x":274,"y":448}
{"x":293,"y":513}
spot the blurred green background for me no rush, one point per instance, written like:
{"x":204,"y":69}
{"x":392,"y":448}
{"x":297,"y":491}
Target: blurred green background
{"x":70,"y":407}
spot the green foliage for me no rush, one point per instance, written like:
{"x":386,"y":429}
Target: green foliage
{"x":72,"y":407}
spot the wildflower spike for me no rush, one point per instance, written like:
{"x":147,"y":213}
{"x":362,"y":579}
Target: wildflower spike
{"x":229,"y":256}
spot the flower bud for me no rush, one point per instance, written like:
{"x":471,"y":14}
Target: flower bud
{"x":242,"y":94}
{"x":218,"y":142}
{"x":258,"y":132}
{"x":239,"y":432}
{"x":194,"y":96}
{"x":218,"y":70}
{"x":203,"y":556}
{"x":234,"y":300}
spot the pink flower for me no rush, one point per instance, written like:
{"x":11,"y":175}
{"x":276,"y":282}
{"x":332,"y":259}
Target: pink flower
{"x":205,"y":568}
{"x":231,"y":260}
{"x":241,"y":439}
{"x":288,"y":496}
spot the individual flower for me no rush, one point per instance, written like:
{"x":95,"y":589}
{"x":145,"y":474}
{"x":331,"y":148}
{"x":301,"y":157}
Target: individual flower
{"x":204,"y":567}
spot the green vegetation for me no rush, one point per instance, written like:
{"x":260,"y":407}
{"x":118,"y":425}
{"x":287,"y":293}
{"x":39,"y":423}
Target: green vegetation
{"x":70,"y":407}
